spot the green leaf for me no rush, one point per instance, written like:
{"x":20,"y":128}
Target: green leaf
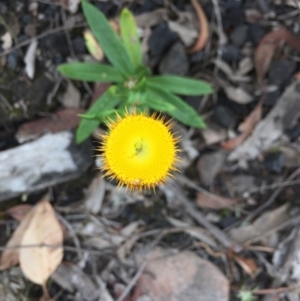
{"x":108,"y":39}
{"x":180,"y":85}
{"x":105,"y":102}
{"x":130,"y":36}
{"x":91,"y":72}
{"x":157,"y":104}
{"x":181,"y":111}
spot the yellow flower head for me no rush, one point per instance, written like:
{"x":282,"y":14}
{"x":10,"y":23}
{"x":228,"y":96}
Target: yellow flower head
{"x":139,"y":151}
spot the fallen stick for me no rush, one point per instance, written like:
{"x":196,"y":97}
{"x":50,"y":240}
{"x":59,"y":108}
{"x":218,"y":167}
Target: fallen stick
{"x":49,"y":160}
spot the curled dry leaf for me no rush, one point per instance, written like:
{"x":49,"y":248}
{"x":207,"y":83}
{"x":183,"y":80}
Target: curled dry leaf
{"x":246,"y":128}
{"x":38,"y":263}
{"x":203,"y":28}
{"x":93,"y":46}
{"x":265,"y":50}
{"x":247,"y":264}
{"x":212,"y":201}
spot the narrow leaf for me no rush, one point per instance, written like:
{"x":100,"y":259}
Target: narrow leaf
{"x":180,"y":85}
{"x":108,"y":39}
{"x":106,"y":102}
{"x":182,"y":111}
{"x":91,"y":72}
{"x":130,"y":36}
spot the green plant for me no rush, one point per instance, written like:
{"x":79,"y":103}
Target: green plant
{"x":246,"y":295}
{"x":133,"y":84}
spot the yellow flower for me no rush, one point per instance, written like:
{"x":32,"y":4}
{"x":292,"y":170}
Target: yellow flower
{"x":139,"y":151}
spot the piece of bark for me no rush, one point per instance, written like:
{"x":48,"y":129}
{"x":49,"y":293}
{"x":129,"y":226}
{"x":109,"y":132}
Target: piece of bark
{"x":49,"y":160}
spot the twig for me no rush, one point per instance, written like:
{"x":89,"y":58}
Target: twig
{"x":202,"y":220}
{"x":67,"y":34}
{"x":139,"y":272}
{"x":72,"y":233}
{"x":40,"y":36}
{"x":272,"y":198}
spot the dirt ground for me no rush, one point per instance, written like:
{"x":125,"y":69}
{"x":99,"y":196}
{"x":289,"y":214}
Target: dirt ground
{"x":227,"y":226}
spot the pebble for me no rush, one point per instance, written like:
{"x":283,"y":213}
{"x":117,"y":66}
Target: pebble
{"x":271,"y":98}
{"x":230,"y":53}
{"x":281,"y":72}
{"x":148,"y":5}
{"x":161,"y":39}
{"x":256,"y":32}
{"x":274,"y":162}
{"x":223,"y":117}
{"x":175,"y":61}
{"x":239,"y":35}
{"x":197,"y":57}
{"x":79,"y":46}
{"x":13,"y":60}
{"x":193,"y":101}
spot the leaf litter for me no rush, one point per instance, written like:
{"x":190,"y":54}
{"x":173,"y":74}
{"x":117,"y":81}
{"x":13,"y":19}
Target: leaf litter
{"x":109,"y":227}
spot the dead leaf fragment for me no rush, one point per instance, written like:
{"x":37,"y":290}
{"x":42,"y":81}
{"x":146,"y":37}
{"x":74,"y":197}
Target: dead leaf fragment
{"x":29,"y":59}
{"x":95,"y":194}
{"x":93,"y":46}
{"x":266,"y":48}
{"x":238,"y":95}
{"x":203,"y":33}
{"x":212,"y":201}
{"x":247,"y":264}
{"x":181,"y":276}
{"x":38,"y":263}
{"x":10,"y":256}
{"x":71,"y":278}
{"x":18,"y":212}
{"x":261,"y":226}
{"x":7,"y":41}
{"x":246,"y":128}
{"x":61,"y":120}
{"x":71,"y":98}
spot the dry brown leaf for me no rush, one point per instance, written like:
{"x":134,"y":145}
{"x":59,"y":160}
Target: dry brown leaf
{"x":247,"y":264}
{"x":212,"y":201}
{"x":246,"y":127}
{"x":261,"y":226}
{"x":203,"y":28}
{"x":184,"y":277}
{"x":18,"y":212}
{"x":61,"y":120}
{"x":265,"y":50}
{"x":38,"y":263}
{"x":10,"y":256}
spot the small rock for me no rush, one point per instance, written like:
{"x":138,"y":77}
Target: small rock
{"x":193,"y":101}
{"x":175,"y":61}
{"x":197,"y":57}
{"x":281,"y":72}
{"x":256,"y":32}
{"x":26,"y":19}
{"x":271,"y":98}
{"x":181,"y":276}
{"x":242,"y":183}
{"x":231,"y":53}
{"x":274,"y":162}
{"x":13,"y":60}
{"x":148,"y":5}
{"x":3,"y":9}
{"x":235,"y":15}
{"x":79,"y":46}
{"x":239,"y":35}
{"x":56,"y":42}
{"x":223,"y":117}
{"x":30,"y":30}
{"x":161,"y":39}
